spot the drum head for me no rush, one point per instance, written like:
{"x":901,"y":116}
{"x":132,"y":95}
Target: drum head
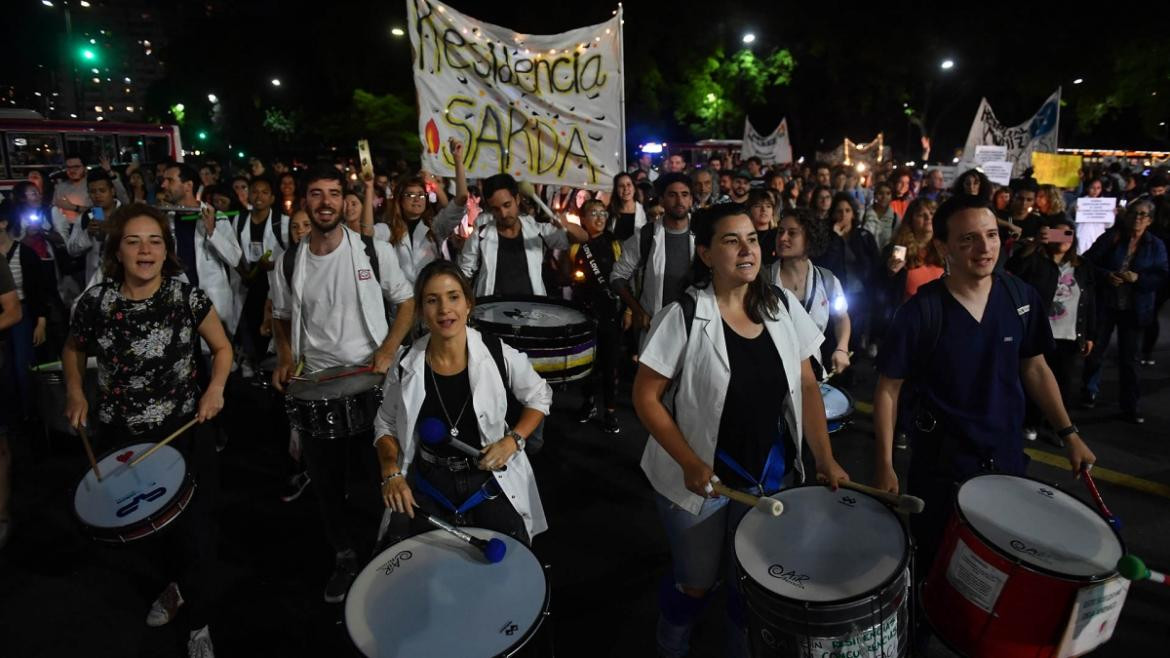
{"x":127,"y":495}
{"x":837,"y":402}
{"x":334,"y":389}
{"x":537,"y":316}
{"x":1039,"y":525}
{"x":826,"y":547}
{"x":433,"y":595}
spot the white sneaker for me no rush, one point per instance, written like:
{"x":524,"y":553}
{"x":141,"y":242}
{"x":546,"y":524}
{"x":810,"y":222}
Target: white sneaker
{"x":199,"y":646}
{"x":164,"y":608}
{"x":1030,"y":434}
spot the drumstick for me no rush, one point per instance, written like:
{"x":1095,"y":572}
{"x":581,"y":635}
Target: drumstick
{"x":763,"y":503}
{"x":1131,"y":567}
{"x":829,"y":374}
{"x":903,"y":502}
{"x":162,"y":443}
{"x":358,"y":371}
{"x":493,"y":549}
{"x":1114,"y":521}
{"x":89,"y":452}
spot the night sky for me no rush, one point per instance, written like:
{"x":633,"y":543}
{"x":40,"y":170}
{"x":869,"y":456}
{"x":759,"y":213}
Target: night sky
{"x":856,"y":65}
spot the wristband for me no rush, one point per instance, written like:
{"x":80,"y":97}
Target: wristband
{"x":391,"y":477}
{"x":520,"y":442}
{"x":841,"y":351}
{"x":1064,"y":433}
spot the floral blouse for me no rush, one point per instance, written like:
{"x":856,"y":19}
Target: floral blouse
{"x":145,"y":352}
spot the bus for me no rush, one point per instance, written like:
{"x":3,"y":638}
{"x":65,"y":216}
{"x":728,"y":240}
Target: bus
{"x":30,"y":142}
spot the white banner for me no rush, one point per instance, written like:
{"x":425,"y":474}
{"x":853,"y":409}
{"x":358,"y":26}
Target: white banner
{"x":999,"y":173}
{"x":770,"y":149}
{"x":543,"y":108}
{"x":1036,"y":134}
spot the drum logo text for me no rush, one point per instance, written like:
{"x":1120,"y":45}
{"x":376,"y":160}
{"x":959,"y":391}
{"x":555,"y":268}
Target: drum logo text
{"x":1044,"y":492}
{"x":395,"y":562}
{"x":150,"y":496}
{"x":847,"y":501}
{"x":509,"y":628}
{"x":1030,"y":550}
{"x":789,"y":576}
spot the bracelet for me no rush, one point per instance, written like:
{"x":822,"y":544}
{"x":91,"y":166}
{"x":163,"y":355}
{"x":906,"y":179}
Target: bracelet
{"x":845,"y":352}
{"x":520,"y":442}
{"x":391,"y":477}
{"x":1064,"y":433}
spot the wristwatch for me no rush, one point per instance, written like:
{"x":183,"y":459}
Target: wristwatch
{"x":1064,"y":433}
{"x":520,"y":442}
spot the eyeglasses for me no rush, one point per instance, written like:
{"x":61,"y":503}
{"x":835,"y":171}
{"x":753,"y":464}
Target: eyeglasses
{"x":597,"y":213}
{"x":414,"y":195}
{"x":1141,"y":213}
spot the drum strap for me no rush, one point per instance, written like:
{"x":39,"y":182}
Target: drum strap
{"x":488,"y":491}
{"x":773,"y":474}
{"x":601,"y":279}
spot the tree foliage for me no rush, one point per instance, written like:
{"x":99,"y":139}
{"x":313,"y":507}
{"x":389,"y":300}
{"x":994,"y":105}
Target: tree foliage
{"x":715,"y":92}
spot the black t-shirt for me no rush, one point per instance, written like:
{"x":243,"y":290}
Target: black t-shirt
{"x":592,"y":292}
{"x":971,"y":380}
{"x":512,"y":267}
{"x":752,"y":415}
{"x":411,"y":225}
{"x":767,"y":240}
{"x":624,"y":227}
{"x":257,"y":230}
{"x":185,"y":244}
{"x":452,"y":391}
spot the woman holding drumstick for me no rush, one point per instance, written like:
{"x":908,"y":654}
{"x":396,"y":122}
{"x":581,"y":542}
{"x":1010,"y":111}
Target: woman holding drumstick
{"x":742,"y":396}
{"x":144,"y":326}
{"x":446,"y":388}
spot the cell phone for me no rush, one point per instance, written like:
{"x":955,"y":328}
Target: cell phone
{"x":900,"y":252}
{"x":1061,"y":235}
{"x":366,"y":160}
{"x":97,"y":214}
{"x":134,"y":158}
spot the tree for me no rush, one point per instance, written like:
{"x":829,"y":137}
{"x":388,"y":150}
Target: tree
{"x":715,"y":91}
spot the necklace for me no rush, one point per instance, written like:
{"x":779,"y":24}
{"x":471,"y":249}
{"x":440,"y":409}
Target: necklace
{"x":454,"y":431}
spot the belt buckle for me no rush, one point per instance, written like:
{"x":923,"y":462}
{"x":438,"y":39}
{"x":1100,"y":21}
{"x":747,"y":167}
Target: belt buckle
{"x":457,"y":464}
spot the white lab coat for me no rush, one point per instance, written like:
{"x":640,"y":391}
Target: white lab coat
{"x":79,"y":242}
{"x":268,"y":241}
{"x":696,"y":396}
{"x":402,"y":400}
{"x":639,"y":219}
{"x":626,"y":268}
{"x":414,"y":251}
{"x":482,"y":246}
{"x":216,"y":256}
{"x":390,"y":284}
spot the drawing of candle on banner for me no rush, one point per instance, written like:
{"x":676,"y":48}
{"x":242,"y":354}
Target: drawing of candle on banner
{"x":543,"y":108}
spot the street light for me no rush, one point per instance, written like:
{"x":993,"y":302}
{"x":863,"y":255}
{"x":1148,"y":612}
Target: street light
{"x":212,"y":98}
{"x":947,"y":64}
{"x":1078,"y":81}
{"x":397,"y":31}
{"x":276,"y":82}
{"x":47,"y":3}
{"x":749,"y":38}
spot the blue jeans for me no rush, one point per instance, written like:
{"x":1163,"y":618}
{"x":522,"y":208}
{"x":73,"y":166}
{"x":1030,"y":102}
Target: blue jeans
{"x":701,"y":546}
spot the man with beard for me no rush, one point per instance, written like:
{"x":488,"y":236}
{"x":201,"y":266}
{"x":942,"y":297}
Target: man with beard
{"x":330,"y":298}
{"x":204,"y":242}
{"x":703,"y":189}
{"x":741,"y":185}
{"x":658,"y":255}
{"x":505,"y":251}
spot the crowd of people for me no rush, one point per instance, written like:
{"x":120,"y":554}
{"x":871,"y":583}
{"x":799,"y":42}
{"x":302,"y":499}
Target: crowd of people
{"x":728,"y":285}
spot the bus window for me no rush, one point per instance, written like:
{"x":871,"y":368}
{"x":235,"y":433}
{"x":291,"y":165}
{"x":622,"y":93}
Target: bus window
{"x":89,"y":147}
{"x":157,"y":149}
{"x":128,"y":147}
{"x":28,"y":150}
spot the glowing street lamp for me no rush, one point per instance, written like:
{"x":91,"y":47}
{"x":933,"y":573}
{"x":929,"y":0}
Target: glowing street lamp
{"x":749,"y":38}
{"x":947,"y":65}
{"x":397,"y":31}
{"x":276,"y":82}
{"x":212,"y":98}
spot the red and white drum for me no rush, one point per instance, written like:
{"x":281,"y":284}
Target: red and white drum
{"x":1024,"y":569}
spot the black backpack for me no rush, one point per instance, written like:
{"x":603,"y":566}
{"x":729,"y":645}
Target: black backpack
{"x":275,"y":223}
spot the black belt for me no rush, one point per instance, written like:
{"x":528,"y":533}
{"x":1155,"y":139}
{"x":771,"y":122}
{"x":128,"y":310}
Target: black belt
{"x":453,"y":464}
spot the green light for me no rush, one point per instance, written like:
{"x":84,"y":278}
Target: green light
{"x":88,"y":54}
{"x":202,"y":134}
{"x":240,"y":154}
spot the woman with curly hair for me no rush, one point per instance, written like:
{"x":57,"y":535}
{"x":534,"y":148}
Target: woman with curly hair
{"x":912,"y":258}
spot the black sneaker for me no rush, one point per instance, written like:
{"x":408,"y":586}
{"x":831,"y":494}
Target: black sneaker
{"x":343,"y":574}
{"x":587,"y":412}
{"x":610,"y":424}
{"x":296,"y":487}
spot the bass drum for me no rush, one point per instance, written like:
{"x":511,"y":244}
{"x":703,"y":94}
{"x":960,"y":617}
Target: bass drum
{"x":558,"y":338}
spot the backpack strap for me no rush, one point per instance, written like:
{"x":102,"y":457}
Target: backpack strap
{"x":687,"y":302}
{"x":1019,"y":296}
{"x":929,"y":304}
{"x":277,"y":226}
{"x":645,"y":245}
{"x":289,"y":259}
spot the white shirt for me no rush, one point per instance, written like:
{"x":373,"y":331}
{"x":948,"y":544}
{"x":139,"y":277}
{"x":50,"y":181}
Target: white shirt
{"x":17,"y":269}
{"x":483,"y":245}
{"x":823,"y":296}
{"x":253,"y":251}
{"x":700,"y":370}
{"x":333,"y":333}
{"x":1063,"y":313}
{"x":405,"y":388}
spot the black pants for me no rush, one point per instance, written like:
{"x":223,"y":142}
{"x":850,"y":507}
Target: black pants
{"x":187,"y":551}
{"x":605,"y":369}
{"x":328,"y":463}
{"x":493,"y":514}
{"x":253,"y":345}
{"x":1129,"y":333}
{"x":1150,"y":334}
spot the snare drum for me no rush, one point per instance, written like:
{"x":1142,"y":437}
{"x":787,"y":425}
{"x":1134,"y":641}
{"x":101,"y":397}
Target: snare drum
{"x":558,"y":338}
{"x":49,"y":382}
{"x":433,"y":595}
{"x":838,"y":406}
{"x":1017,"y":555}
{"x":828,"y":577}
{"x":338,"y":408}
{"x":131,"y":503}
